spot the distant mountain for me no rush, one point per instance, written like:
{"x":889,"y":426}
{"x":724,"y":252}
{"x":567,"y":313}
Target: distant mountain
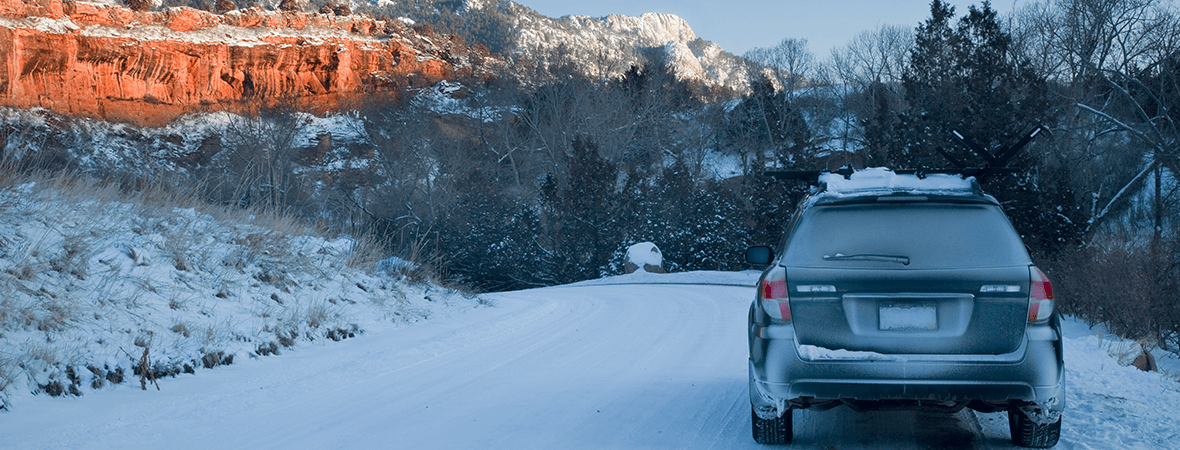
{"x":601,"y":46}
{"x":608,"y":46}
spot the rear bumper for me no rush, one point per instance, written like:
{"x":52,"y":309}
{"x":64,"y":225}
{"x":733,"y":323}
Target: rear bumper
{"x":1031,"y":374}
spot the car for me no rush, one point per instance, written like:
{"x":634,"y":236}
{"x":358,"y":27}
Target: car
{"x":899,"y":291}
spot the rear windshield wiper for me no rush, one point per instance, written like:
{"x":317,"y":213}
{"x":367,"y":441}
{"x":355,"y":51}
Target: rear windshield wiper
{"x":904,"y":260}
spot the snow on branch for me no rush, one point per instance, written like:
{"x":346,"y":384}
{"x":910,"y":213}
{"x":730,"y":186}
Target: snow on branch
{"x":1117,"y":122}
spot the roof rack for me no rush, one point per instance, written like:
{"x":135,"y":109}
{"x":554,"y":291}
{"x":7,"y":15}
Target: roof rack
{"x":994,"y":162}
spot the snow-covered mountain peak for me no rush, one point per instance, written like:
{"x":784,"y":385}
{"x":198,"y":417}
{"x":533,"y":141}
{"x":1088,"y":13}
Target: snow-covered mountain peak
{"x":608,"y":46}
{"x":654,"y":28}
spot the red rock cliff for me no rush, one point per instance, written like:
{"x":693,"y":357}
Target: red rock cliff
{"x":147,"y":68}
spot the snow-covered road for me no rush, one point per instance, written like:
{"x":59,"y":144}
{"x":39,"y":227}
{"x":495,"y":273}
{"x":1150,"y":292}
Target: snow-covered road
{"x":638,"y":366}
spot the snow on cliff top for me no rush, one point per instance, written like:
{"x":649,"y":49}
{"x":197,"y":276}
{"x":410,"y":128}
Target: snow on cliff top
{"x":219,"y":33}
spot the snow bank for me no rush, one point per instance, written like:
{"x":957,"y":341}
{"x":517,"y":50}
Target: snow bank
{"x":92,"y":292}
{"x":1110,"y":404}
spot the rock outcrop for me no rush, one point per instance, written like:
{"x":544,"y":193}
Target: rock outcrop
{"x":606,"y":47}
{"x":147,"y":68}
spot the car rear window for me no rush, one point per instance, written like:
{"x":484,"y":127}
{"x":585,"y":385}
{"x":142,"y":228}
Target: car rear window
{"x":905,"y":236}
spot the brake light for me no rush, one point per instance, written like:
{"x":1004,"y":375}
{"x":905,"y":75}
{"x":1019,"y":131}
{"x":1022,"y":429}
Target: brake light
{"x":1040,"y":297}
{"x":773,"y":294}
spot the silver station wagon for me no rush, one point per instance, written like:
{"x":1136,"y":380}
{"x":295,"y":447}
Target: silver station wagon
{"x":898,"y":292}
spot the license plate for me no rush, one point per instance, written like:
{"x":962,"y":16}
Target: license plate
{"x":908,"y":317}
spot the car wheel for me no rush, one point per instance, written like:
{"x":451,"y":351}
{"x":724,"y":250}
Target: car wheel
{"x":1026,"y":433}
{"x":773,"y":431}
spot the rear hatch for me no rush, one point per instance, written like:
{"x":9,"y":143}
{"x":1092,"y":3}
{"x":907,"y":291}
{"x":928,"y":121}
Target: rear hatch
{"x":921,"y":311}
{"x":908,"y":278}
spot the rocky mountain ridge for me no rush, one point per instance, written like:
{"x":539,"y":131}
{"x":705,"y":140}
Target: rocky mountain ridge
{"x":147,"y":68}
{"x":608,"y":46}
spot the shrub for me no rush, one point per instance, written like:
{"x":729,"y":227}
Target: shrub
{"x":1121,"y":286}
{"x":138,"y":5}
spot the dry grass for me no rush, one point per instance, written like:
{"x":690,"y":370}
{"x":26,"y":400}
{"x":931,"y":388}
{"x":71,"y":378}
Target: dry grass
{"x":7,"y":373}
{"x":366,"y":252}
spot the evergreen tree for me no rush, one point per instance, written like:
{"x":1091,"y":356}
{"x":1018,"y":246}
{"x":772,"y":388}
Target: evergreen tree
{"x":968,"y":79}
{"x":580,"y":217}
{"x":881,"y":137}
{"x":490,"y":240}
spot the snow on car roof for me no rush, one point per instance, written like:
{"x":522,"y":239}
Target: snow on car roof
{"x":879,"y":180}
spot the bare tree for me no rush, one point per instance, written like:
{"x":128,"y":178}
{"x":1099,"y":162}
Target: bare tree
{"x":1075,"y":39}
{"x":1101,"y":53}
{"x":258,"y":166}
{"x":1114,"y":64}
{"x":792,"y":63}
{"x":874,"y":56}
{"x":868,"y":72}
{"x":224,"y":6}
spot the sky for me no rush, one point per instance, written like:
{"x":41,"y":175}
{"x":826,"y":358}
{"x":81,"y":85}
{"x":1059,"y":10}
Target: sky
{"x":740,"y":25}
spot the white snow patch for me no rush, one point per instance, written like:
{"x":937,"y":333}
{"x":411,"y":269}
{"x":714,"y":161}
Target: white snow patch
{"x":395,"y":265}
{"x":814,"y":353}
{"x":645,"y":253}
{"x":42,"y":24}
{"x":721,"y":165}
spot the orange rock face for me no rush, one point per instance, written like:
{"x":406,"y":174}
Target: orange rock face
{"x":147,"y":68}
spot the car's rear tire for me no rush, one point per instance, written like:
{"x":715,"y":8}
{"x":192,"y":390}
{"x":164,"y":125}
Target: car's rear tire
{"x":1026,"y":433}
{"x":773,"y":431}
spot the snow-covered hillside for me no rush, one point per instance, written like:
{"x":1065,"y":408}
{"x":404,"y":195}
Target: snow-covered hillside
{"x":93,"y":289}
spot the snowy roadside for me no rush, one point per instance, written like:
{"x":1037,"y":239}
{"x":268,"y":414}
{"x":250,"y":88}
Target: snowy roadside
{"x":93,"y":291}
{"x":1109,"y":404}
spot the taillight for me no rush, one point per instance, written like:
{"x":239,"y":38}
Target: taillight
{"x":773,"y":294}
{"x":1040,"y":297}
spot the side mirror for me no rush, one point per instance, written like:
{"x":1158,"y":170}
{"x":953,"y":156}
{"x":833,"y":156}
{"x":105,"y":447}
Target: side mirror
{"x":760,"y":255}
